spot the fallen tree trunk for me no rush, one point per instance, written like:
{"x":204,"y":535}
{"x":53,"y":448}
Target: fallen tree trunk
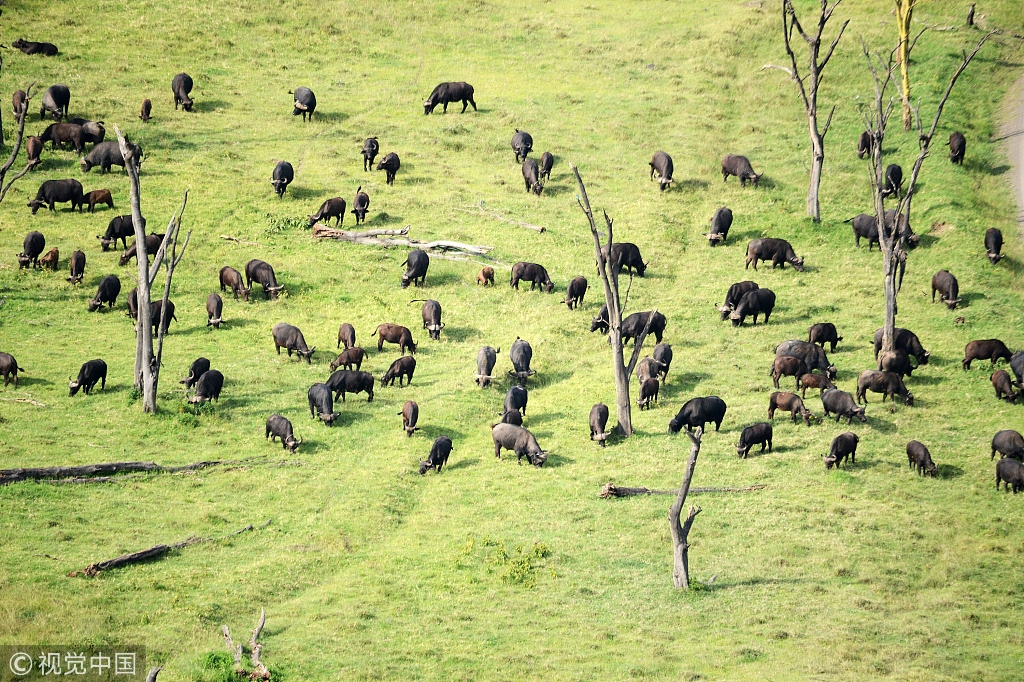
{"x":92,"y":470}
{"x":374,"y":238}
{"x":610,"y":490}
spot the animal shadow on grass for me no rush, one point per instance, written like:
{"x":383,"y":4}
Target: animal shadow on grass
{"x":303,"y":193}
{"x":460,"y":333}
{"x":383,"y":218}
{"x":690,"y":184}
{"x":24,"y":379}
{"x":437,"y":279}
{"x":208,"y":105}
{"x":554,"y":189}
{"x":985,"y":166}
{"x":949,"y":471}
{"x":232,"y":323}
{"x":462,"y":463}
{"x":413,"y":180}
{"x":969,"y":298}
{"x":327,"y":116}
{"x":430,"y":432}
{"x":545,"y":379}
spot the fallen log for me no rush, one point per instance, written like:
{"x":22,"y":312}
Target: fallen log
{"x":480,"y":210}
{"x":238,"y":241}
{"x":374,"y":238}
{"x":153,"y":552}
{"x":610,"y":490}
{"x":23,"y":400}
{"x":89,"y":471}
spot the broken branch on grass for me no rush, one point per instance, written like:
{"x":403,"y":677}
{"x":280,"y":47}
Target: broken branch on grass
{"x":238,"y":241}
{"x":481,"y":210}
{"x":260,"y":671}
{"x":611,"y":490}
{"x":89,"y":471}
{"x":373,"y":238}
{"x":24,"y":400}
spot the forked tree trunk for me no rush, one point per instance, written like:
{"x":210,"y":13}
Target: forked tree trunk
{"x":681,"y":530}
{"x":817,"y":161}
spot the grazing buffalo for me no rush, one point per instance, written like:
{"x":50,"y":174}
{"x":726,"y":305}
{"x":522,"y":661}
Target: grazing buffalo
{"x":33,"y":148}
{"x":348,"y":358}
{"x":57,"y":192}
{"x":279,"y":427}
{"x":844,"y":445}
{"x":814,"y":380}
{"x":76,"y":267}
{"x":521,"y":355}
{"x":993,"y":244}
{"x":531,"y":176}
{"x":778,"y":251}
{"x":49,"y":261}
{"x":332,"y":208}
{"x":157,"y":312}
{"x":897,"y":362}
{"x":648,"y":393}
{"x":304,"y":102}
{"x":56,"y":100}
{"x":522,"y":145}
{"x":107,"y":154}
{"x":9,"y":369}
{"x":948,"y":288}
{"x":1017,"y":365}
{"x":1011,"y":473}
{"x":788,"y":366}
{"x":394,"y":333}
{"x":346,"y":381}
{"x":120,"y":227}
{"x":232,"y":279}
{"x":261,"y":272}
{"x":720,"y":224}
{"x":864,"y":144}
{"x":290,"y":338}
{"x":19,"y":101}
{"x":754,"y":302}
{"x":282,"y":177}
{"x":485,"y":361}
{"x":152,"y":242}
{"x":59,"y":134}
{"x":198,"y":367}
{"x":985,"y":349}
{"x":33,"y":245}
{"x":518,"y":440}
{"x":865,"y":227}
{"x":1008,"y":443}
{"x":598,"y":422}
{"x":1003,"y":385}
{"x":29,"y":47}
{"x":431,"y":313}
{"x":756,"y":434}
{"x":99,"y":196}
{"x":360,"y":205}
{"x":214,"y":311}
{"x":625,"y":255}
{"x":547,"y":162}
{"x":907,"y":340}
{"x":438,"y":456}
{"x":663,"y":354}
{"x":535,"y":274}
{"x":390,"y":165}
{"x":888,"y":384}
{"x":789,"y":402}
{"x":446,"y":93}
{"x":512,"y":418}
{"x":842,"y":404}
{"x":91,"y":372}
{"x":957,"y":146}
{"x":321,"y":405}
{"x":410,"y":415}
{"x":648,"y":368}
{"x":813,"y":356}
{"x":516,"y":399}
{"x":733,"y":297}
{"x":417,"y":263}
{"x":133,"y":303}
{"x":575,"y":293}
{"x":485,"y":276}
{"x":181,"y":86}
{"x":893,"y":180}
{"x":400,"y":369}
{"x":346,"y":335}
{"x":109,"y":288}
{"x":920,"y":459}
{"x":601,"y":321}
{"x":698,"y":412}
{"x":93,"y":132}
{"x":741,"y":168}
{"x":661,"y":164}
{"x":370,"y":150}
{"x":822,"y":333}
{"x":633,"y":325}
{"x":147,"y":111}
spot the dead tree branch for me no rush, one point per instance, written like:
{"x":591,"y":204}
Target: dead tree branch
{"x":21,"y":117}
{"x":24,"y":400}
{"x":238,"y":241}
{"x":681,"y":531}
{"x":260,"y":671}
{"x":481,"y":210}
{"x":372,"y":237}
{"x":234,"y":649}
{"x":8,"y":476}
{"x":611,"y":490}
{"x":153,"y":672}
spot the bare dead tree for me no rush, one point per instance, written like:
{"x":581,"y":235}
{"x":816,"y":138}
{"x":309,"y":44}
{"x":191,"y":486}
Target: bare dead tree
{"x":259,"y":671}
{"x":147,"y":368}
{"x":610,"y":279}
{"x":681,"y":529}
{"x":807,"y":86}
{"x":893,"y":237}
{"x":5,"y":184}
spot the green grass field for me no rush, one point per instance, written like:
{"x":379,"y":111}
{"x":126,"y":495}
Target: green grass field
{"x":492,"y":570}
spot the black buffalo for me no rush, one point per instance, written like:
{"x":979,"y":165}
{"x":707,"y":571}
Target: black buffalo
{"x":321,"y":405}
{"x":1011,"y":474}
{"x":431,"y":313}
{"x":198,"y":367}
{"x":30,"y":47}
{"x":152,"y":242}
{"x":1003,"y":386}
{"x":813,"y":356}
{"x":533,"y":273}
{"x":232,"y":279}
{"x":521,"y":355}
{"x":91,"y":372}
{"x":897,"y":362}
{"x":370,"y":149}
{"x":290,"y":338}
{"x":720,"y":224}
{"x":9,"y":369}
{"x":893,"y":180}
{"x":698,"y":412}
{"x":417,"y":263}
{"x":547,"y":162}
{"x":778,"y":251}
{"x":304,"y":103}
{"x":279,"y":427}
{"x":575,"y":292}
{"x":1008,"y":443}
{"x":282,"y":177}
{"x":516,"y":399}
{"x":56,"y":100}
{"x":120,"y":227}
{"x":920,"y":459}
{"x":734,"y":296}
{"x":844,"y":445}
{"x":663,"y":355}
{"x":756,"y":434}
{"x":598,"y":423}
{"x":889,"y":384}
{"x":1017,"y":365}
{"x":625,"y":255}
{"x":948,"y":288}
{"x":522,"y":145}
{"x":864,"y":144}
{"x":108,"y":154}
{"x":181,"y":86}
{"x":401,"y":368}
{"x":59,"y":134}
{"x":518,"y":440}
{"x":57,"y":192}
{"x":146,"y":112}
{"x":993,"y":244}
{"x":822,"y":333}
{"x":332,"y":208}
{"x":109,"y":288}
{"x":740,"y":167}
{"x":439,"y":452}
{"x":346,"y":335}
{"x":76,"y":267}
{"x":957,"y":146}
{"x":754,"y":302}
{"x":262,"y":272}
{"x":634,"y":325}
{"x":93,"y":132}
{"x":661,"y":164}
{"x":446,"y":93}
{"x":346,"y":381}
{"x":531,"y":176}
{"x":410,"y":415}
{"x":361,"y":205}
{"x":906,"y":340}
{"x":841,"y":404}
{"x":985,"y":349}
{"x":390,"y":165}
{"x":485,"y":361}
{"x":32,"y":247}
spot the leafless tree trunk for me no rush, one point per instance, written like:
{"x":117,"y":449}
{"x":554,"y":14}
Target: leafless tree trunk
{"x":5,"y":185}
{"x":808,"y":86}
{"x":610,"y":279}
{"x":147,"y":368}
{"x":681,"y":530}
{"x":894,"y":256}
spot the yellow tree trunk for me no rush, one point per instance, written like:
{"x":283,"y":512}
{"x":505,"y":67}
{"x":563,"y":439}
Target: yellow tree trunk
{"x":904,"y":15}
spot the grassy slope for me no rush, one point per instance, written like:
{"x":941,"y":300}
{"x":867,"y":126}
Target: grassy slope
{"x":370,"y":571}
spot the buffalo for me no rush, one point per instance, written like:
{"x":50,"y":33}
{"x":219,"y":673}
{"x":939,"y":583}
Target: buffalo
{"x":400,"y":369}
{"x":360,"y":205}
{"x":513,"y":417}
{"x":348,"y":358}
{"x":107,"y":154}
{"x":778,"y":251}
{"x":625,"y":255}
{"x":393,"y":333}
{"x":76,"y":267}
{"x":1011,"y":474}
{"x":304,"y":103}
{"x":633,"y":326}
{"x":19,"y":101}
{"x":897,"y":362}
{"x":33,"y":148}
{"x":290,"y":338}
{"x":842,"y":404}
{"x":531,"y":176}
{"x":56,"y":100}
{"x":522,"y":145}
{"x":51,"y":259}
{"x":720,"y":224}
{"x":600,"y":322}
{"x":985,"y":349}
{"x":547,"y":162}
{"x":864,"y":144}
{"x":485,"y":361}
{"x":92,"y":131}
{"x":648,"y":393}
{"x":786,"y":365}
{"x":9,"y":369}
{"x":152,"y":243}
{"x":1008,"y":443}
{"x":907,"y":340}
{"x":661,"y":164}
{"x":518,"y":440}
{"x":157,"y":312}
{"x":789,"y":402}
{"x":814,"y":380}
{"x":741,"y":168}
{"x":332,"y":208}
{"x":822,"y":333}
{"x":259,"y":271}
{"x":345,"y":381}
{"x":214,"y":311}
{"x":920,"y":459}
{"x":516,"y":399}
{"x":574,"y":294}
{"x":198,"y":367}
{"x":346,"y":335}
{"x":446,"y":93}
{"x":439,"y":453}
{"x":58,"y":191}
{"x":120,"y":227}
{"x":663,"y":355}
{"x":410,"y":415}
{"x":957,"y":146}
{"x":279,"y":427}
{"x":813,"y":356}
{"x":844,"y":445}
{"x":147,"y":111}
{"x":321,"y":405}
{"x":888,"y":384}
{"x":282,"y":177}
{"x":59,"y":134}
{"x":535,"y":274}
{"x":485,"y":276}
{"x":754,"y":302}
{"x":99,"y":196}
{"x":756,"y":434}
{"x":648,"y":368}
{"x":390,"y":165}
{"x":521,"y":355}
{"x":33,"y":245}
{"x":893,"y":180}
{"x":91,"y":372}
{"x":232,"y":279}
{"x":1004,"y":387}
{"x":371,"y":147}
{"x":417,"y":261}
{"x":1017,"y":365}
{"x":598,"y":423}
{"x":733,"y":297}
{"x":993,"y":244}
{"x":133,"y":303}
{"x":181,"y":86}
{"x":30,"y":47}
{"x":698,"y":412}
{"x":431,"y":313}
{"x":948,"y":288}
{"x":865,"y":227}
{"x":109,"y":288}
